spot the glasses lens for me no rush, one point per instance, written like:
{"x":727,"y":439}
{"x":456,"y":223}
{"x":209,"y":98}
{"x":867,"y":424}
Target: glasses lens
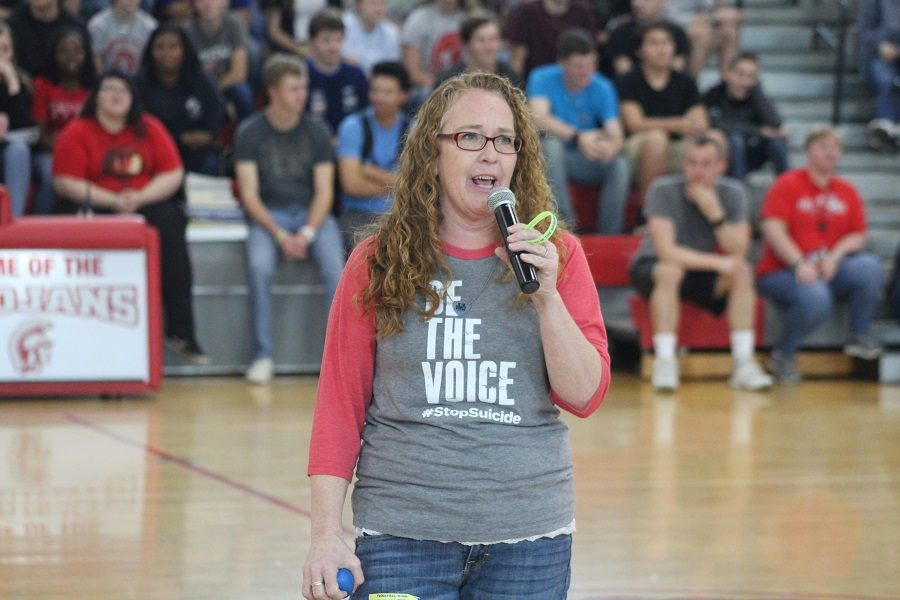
{"x":507,"y":144}
{"x":468,"y":140}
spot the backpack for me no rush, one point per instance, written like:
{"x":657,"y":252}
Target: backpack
{"x":368,"y":139}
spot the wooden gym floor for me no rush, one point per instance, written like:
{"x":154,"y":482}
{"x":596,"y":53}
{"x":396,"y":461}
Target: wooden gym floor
{"x":200,"y":492}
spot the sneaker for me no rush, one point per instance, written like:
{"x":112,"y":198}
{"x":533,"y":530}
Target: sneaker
{"x":261,"y":371}
{"x":865,"y":346}
{"x":665,"y":375}
{"x":783,"y":368}
{"x":882,"y":133}
{"x":188,"y":349}
{"x":747,"y":375}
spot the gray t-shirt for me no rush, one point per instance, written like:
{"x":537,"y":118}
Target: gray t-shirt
{"x":284,"y":159}
{"x":436,"y":33}
{"x":666,"y":199}
{"x":467,"y":446}
{"x":215,"y":51}
{"x":120,"y":44}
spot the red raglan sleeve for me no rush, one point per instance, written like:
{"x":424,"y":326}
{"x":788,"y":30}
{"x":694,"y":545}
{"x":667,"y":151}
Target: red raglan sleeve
{"x":578,"y":291}
{"x":345,"y":380}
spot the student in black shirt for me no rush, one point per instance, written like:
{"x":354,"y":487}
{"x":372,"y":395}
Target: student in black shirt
{"x":660,"y":106}
{"x":620,"y":51}
{"x":174,"y":88}
{"x":738,"y":107}
{"x":33,"y":23}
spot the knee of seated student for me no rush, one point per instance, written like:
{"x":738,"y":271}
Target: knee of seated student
{"x":742,"y":278}
{"x":865,"y":268}
{"x":815,"y":298}
{"x":652,"y":143}
{"x":667,"y":276}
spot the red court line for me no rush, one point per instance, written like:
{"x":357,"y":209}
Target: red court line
{"x":196,"y":469}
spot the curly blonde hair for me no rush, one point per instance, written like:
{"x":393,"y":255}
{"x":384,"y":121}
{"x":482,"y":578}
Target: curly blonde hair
{"x":407,"y":253}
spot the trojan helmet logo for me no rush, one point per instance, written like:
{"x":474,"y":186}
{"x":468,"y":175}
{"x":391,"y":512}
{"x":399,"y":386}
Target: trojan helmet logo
{"x":29,"y":347}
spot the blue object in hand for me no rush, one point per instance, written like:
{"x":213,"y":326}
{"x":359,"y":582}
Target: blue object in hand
{"x":345,"y":580}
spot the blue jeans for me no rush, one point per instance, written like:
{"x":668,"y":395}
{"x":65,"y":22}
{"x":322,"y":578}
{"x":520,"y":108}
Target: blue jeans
{"x":45,"y":197}
{"x":241,"y":95}
{"x":17,"y":174}
{"x":882,"y":75}
{"x":859,"y":281}
{"x":538,"y":570}
{"x":327,"y":251}
{"x":566,"y":163}
{"x":748,"y":153}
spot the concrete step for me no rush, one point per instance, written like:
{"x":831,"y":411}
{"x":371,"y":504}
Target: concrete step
{"x":771,"y":13}
{"x":805,"y":86}
{"x":856,"y":161}
{"x":884,"y":218}
{"x":875,"y":186}
{"x":777,"y":36}
{"x":853,"y":110}
{"x":884,"y":242}
{"x":806,"y":62}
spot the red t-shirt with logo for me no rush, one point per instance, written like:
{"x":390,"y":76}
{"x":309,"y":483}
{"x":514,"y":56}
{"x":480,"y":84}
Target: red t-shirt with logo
{"x":115,"y":161}
{"x":817,"y":218}
{"x":55,"y":105}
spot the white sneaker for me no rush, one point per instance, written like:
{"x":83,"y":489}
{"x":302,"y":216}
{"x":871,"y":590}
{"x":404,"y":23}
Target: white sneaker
{"x":260,"y":371}
{"x":665,"y":375}
{"x":747,"y":375}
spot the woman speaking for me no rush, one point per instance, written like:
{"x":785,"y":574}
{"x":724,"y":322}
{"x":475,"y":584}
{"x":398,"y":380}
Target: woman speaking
{"x":441,"y":382}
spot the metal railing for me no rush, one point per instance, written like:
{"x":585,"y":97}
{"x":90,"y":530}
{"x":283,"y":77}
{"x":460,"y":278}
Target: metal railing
{"x":836,"y":41}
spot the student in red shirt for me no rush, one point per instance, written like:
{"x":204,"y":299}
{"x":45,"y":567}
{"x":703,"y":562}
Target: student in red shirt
{"x":814,"y":226}
{"x":117,"y":159}
{"x":58,"y":98}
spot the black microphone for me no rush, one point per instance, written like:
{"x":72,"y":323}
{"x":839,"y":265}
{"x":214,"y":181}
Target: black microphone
{"x":502,"y":203}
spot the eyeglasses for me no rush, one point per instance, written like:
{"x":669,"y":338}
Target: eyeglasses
{"x":114,"y":89}
{"x":469,"y":140}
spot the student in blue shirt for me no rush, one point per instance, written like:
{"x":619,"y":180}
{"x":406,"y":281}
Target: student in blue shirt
{"x":577,"y":109}
{"x":368,"y":150}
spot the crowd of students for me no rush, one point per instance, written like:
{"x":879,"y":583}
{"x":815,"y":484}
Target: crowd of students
{"x":627,"y":122}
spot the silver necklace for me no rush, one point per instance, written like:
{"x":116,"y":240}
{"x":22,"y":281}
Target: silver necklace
{"x":461,"y":307}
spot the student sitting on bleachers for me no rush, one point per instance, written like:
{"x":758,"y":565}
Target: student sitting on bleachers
{"x":175,"y":89}
{"x":336,"y":88}
{"x":814,"y":224}
{"x":58,"y":99}
{"x":660,"y":108}
{"x":578,"y":111}
{"x":621,"y":52}
{"x":738,"y":107}
{"x":430,"y":42}
{"x":119,"y":34}
{"x":711,"y":25}
{"x":285,"y":173}
{"x":223,"y":48}
{"x":696,"y":249}
{"x":34,"y":24}
{"x":368,"y":150}
{"x":480,"y":36}
{"x":16,"y":93}
{"x":879,"y":61}
{"x":369,"y":36}
{"x":116,"y":159}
